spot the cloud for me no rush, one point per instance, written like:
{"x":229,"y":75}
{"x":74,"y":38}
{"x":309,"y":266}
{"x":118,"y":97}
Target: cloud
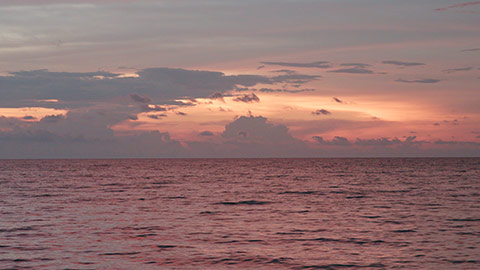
{"x":357,"y":65}
{"x":217,"y":95}
{"x":337,"y":141}
{"x":401,"y":63}
{"x":317,"y":64}
{"x":321,"y":112}
{"x":157,"y":85}
{"x":140,"y":99}
{"x":452,"y":70}
{"x":270,"y":90}
{"x":471,"y":50}
{"x":337,"y":100}
{"x":441,"y":142}
{"x":156,"y":116}
{"x":181,"y":113}
{"x":458,"y":5}
{"x":295,"y":78}
{"x":29,"y":117}
{"x":248,"y":98}
{"x":354,"y":70}
{"x":418,"y":81}
{"x":206,"y":133}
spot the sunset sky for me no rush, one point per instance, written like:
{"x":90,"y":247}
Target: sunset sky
{"x":221,"y":78}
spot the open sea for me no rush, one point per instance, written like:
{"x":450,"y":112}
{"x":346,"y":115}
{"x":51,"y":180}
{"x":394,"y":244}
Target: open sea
{"x":240,"y":214}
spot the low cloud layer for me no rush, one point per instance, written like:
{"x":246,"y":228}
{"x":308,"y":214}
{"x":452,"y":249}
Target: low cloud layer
{"x":402,"y":63}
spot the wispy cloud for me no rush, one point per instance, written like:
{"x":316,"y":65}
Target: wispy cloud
{"x":419,"y":81}
{"x":354,"y":70}
{"x":458,"y":5}
{"x":337,"y":100}
{"x":403,"y":64}
{"x":358,"y":65}
{"x":452,"y":70}
{"x":317,"y":64}
{"x":471,"y":50}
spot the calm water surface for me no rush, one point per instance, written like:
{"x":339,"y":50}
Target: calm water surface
{"x":240,"y":214}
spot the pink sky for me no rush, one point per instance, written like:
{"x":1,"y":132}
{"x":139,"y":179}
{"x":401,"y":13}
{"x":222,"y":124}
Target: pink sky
{"x":235,"y":79}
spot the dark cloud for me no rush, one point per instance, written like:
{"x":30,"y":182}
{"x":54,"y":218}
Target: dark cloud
{"x":357,"y":65}
{"x":140,"y":99}
{"x":337,"y":141}
{"x":286,"y":71}
{"x":29,"y":117}
{"x":217,"y":95}
{"x":471,"y":50}
{"x":337,"y":100}
{"x":321,"y":112}
{"x":354,"y":70}
{"x":458,"y":5}
{"x":452,"y":70}
{"x":181,"y":113}
{"x":248,"y":98}
{"x":270,"y":90}
{"x":317,"y":64}
{"x":478,"y":137}
{"x":441,"y":142}
{"x":295,"y":78}
{"x":387,"y":141}
{"x":52,"y":118}
{"x":206,"y":133}
{"x":156,"y":116}
{"x":74,"y":90}
{"x":436,"y":124}
{"x":401,"y":63}
{"x":418,"y":81}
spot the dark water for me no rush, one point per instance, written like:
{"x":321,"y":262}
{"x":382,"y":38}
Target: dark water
{"x":240,"y":214}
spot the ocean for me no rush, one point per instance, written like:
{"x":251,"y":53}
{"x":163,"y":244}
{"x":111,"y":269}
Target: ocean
{"x":240,"y":214}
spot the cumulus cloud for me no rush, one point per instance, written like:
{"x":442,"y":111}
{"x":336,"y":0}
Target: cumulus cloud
{"x":248,"y":98}
{"x":418,"y":81}
{"x":321,"y":112}
{"x":401,"y":63}
{"x":353,"y":70}
{"x":337,"y":140}
{"x":317,"y":64}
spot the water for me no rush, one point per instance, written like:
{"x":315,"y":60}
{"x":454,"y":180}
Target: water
{"x":240,"y":214}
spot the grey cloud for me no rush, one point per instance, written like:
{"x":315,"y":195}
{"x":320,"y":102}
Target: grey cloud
{"x":160,"y":85}
{"x":354,"y":70}
{"x":357,"y":65}
{"x":206,"y":133}
{"x":401,"y":63}
{"x":441,"y":142}
{"x":321,"y":112}
{"x":29,"y":117}
{"x":337,"y":100}
{"x":156,"y":116}
{"x":478,"y":137}
{"x":418,"y":81}
{"x":217,"y":95}
{"x":181,"y":113}
{"x":452,"y":70}
{"x":248,"y":98}
{"x":387,"y":141}
{"x":270,"y":90}
{"x":295,"y":78}
{"x":139,"y":98}
{"x":337,"y":141}
{"x":52,"y":118}
{"x":287,"y":71}
{"x":317,"y":64}
{"x":471,"y":50}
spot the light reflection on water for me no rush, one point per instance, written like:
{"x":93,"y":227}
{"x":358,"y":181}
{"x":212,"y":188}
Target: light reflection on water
{"x":240,"y":214}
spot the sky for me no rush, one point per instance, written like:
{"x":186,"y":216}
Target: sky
{"x":252,"y":78}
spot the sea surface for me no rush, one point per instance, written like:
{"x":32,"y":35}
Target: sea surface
{"x":240,"y":214}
